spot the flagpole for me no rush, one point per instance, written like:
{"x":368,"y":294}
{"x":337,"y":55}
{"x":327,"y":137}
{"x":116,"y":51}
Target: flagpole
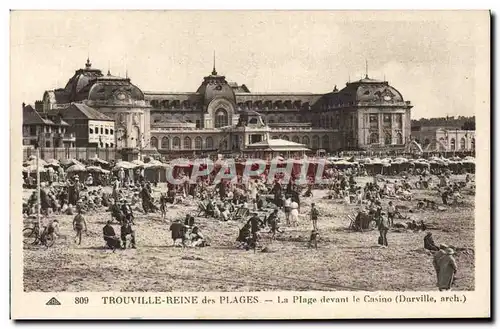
{"x":38,"y":187}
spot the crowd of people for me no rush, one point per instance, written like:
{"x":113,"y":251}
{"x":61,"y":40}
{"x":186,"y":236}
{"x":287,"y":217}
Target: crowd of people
{"x":260,"y":204}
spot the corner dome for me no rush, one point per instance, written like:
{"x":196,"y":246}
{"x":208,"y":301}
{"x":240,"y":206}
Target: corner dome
{"x":111,"y":89}
{"x":372,"y":91}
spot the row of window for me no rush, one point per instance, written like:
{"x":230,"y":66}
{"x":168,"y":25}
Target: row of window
{"x":462,"y":145}
{"x":103,"y":131}
{"x":313,"y":142}
{"x":187,"y":143}
{"x":374,"y":138}
{"x":249,"y":105}
{"x":33,"y":131}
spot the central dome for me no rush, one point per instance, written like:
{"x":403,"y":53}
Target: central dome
{"x":215,"y":86}
{"x":81,"y":81}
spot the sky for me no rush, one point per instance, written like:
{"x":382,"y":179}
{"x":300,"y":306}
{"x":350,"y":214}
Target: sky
{"x":431,"y":58}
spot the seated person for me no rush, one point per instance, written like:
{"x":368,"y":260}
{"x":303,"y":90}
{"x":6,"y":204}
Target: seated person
{"x":178,"y":232}
{"x":259,"y":202}
{"x":210,"y":209}
{"x":109,"y":235}
{"x":196,"y":238}
{"x":429,"y":242}
{"x":245,"y":235}
{"x":189,"y":220}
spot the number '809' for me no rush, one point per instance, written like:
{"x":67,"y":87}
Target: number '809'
{"x":81,"y":300}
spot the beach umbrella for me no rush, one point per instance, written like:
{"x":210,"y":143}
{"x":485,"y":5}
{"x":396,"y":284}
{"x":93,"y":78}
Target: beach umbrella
{"x":52,"y":163}
{"x":32,"y":162}
{"x":70,"y":162}
{"x":76,"y":168}
{"x":154,"y":164}
{"x":138,"y":163}
{"x":99,"y":161}
{"x":124,"y":165}
{"x":32,"y":168}
{"x":95,"y":169}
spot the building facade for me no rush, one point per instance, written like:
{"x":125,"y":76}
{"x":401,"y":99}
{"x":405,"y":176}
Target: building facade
{"x":442,"y":139}
{"x":222,"y":116}
{"x":44,"y":131}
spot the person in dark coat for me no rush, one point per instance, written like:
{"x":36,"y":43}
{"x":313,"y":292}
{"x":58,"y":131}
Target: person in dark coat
{"x":146,"y":199}
{"x":178,"y":231}
{"x":109,"y":235}
{"x":429,"y":242}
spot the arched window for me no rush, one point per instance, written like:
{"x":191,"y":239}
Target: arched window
{"x":165,"y":143}
{"x":462,"y":143}
{"x":374,"y":138}
{"x":209,"y":143}
{"x":187,"y":143}
{"x":296,"y":139}
{"x":452,"y":144}
{"x":221,"y":118}
{"x":176,"y":143}
{"x":399,"y":139}
{"x":305,"y":141}
{"x":198,"y":143}
{"x":154,"y":142}
{"x":91,"y":131}
{"x":285,"y":137}
{"x":325,"y":142}
{"x":388,"y":138}
{"x":315,"y":142}
{"x":473,"y":144}
{"x":253,"y":121}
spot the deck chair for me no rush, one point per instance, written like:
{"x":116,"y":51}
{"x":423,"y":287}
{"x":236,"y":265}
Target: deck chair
{"x":241,"y":213}
{"x":352,"y":221}
{"x":202,"y":209}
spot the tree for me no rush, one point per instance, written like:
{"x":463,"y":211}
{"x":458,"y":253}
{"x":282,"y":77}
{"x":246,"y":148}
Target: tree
{"x":469,"y":125}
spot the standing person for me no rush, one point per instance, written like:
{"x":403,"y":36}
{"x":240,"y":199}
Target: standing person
{"x":121,"y":177}
{"x":288,"y":209}
{"x":391,"y":212}
{"x":163,"y":205}
{"x":116,"y":189}
{"x":78,"y":225}
{"x":437,"y":256}
{"x":314,"y":216}
{"x":447,"y":270}
{"x":383,"y":228}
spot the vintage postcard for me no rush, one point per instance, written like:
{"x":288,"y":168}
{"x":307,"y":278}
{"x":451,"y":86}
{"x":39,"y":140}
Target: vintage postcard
{"x":250,"y":164}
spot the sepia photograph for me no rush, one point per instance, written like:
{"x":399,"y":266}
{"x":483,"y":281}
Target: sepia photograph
{"x":249,"y":151}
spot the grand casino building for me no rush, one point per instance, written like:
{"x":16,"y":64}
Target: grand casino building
{"x":224,"y":117}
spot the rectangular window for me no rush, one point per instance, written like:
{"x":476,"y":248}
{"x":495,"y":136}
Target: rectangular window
{"x":111,"y":132}
{"x":102,"y":131}
{"x":387,"y":120}
{"x":32,"y":130}
{"x":373,"y":121}
{"x":398,"y":120}
{"x":106,"y":131}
